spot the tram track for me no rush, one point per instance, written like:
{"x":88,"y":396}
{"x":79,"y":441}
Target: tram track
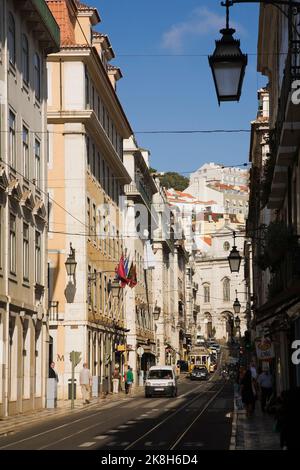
{"x":175,"y":442}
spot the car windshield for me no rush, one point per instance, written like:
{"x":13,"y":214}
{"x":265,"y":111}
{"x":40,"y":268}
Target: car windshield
{"x":199,"y":369}
{"x":160,"y":374}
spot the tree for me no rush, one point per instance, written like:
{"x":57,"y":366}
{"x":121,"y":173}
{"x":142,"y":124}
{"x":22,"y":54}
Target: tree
{"x":171,"y":179}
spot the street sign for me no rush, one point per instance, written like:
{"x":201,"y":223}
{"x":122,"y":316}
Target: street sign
{"x":140,"y":351}
{"x":75,"y":357}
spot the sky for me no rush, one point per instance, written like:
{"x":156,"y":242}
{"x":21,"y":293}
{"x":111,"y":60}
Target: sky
{"x":161,"y":47}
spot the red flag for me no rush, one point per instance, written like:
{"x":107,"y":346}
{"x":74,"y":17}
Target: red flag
{"x":132,"y":277}
{"x":121,"y":273}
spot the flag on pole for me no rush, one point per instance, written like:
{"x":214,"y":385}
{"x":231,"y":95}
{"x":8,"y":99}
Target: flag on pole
{"x":121,"y":273}
{"x":132,"y":277}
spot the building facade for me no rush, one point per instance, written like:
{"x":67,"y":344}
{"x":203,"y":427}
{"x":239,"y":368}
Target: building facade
{"x":139,"y":299}
{"x":274,"y":217}
{"x":218,"y":287}
{"x":227,"y":186}
{"x":28,"y":32}
{"x":86,"y":125}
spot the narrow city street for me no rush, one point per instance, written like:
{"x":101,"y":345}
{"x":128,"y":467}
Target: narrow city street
{"x":198,"y":418}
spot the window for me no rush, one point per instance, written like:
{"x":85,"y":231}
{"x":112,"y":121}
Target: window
{"x":89,"y":213}
{"x":206,"y":289}
{"x":87,"y":90}
{"x":25,"y":136}
{"x":107,"y":180}
{"x":94,"y":221}
{"x":26,"y":252}
{"x":95,"y":290}
{"x":25,"y":59}
{"x":99,"y":167}
{"x":226,"y":290}
{"x":12,"y":139}
{"x":37,"y":76}
{"x":94,"y":161}
{"x":12,"y":244}
{"x":87,"y":144}
{"x":100,"y":291}
{"x":98,"y":108}
{"x":37,"y":157}
{"x":226,"y":246}
{"x":38,"y":258}
{"x":93,"y":97}
{"x":105,"y":293}
{"x":11,"y":39}
{"x":103,"y":175}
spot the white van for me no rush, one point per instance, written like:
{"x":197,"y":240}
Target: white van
{"x":161,"y":380}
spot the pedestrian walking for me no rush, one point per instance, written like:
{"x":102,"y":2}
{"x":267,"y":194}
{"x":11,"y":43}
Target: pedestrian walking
{"x":128,"y":380}
{"x":85,"y":382}
{"x":265,"y":383}
{"x":247,"y":393}
{"x":116,"y":379}
{"x":52,"y":372}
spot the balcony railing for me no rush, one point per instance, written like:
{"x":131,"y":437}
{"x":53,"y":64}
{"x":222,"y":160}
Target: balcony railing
{"x":53,"y":310}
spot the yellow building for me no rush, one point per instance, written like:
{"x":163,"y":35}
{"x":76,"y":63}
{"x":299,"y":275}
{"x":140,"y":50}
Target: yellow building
{"x":86,"y":125}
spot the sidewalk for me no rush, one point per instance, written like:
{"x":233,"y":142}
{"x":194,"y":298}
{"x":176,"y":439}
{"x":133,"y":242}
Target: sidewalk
{"x":255,"y":433}
{"x":11,"y":424}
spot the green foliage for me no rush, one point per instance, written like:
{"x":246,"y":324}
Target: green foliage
{"x":174,"y":180}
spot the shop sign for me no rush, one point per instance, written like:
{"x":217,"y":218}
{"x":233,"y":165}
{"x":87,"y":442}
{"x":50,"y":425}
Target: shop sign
{"x":264,"y":349}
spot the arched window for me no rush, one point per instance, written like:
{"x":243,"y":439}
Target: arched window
{"x":11,"y":39}
{"x":226,"y":290}
{"x":206,"y":292}
{"x":25,"y":58}
{"x":37,"y":76}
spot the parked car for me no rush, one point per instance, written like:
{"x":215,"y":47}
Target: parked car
{"x":161,"y":380}
{"x":199,"y":373}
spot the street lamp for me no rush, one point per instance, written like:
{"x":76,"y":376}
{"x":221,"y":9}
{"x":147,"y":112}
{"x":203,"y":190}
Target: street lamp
{"x":71,"y":262}
{"x":228,"y":63}
{"x":236,"y":305}
{"x":234,"y":258}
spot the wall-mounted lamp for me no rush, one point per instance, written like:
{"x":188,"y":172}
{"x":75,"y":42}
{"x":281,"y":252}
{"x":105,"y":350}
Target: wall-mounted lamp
{"x":71,"y":262}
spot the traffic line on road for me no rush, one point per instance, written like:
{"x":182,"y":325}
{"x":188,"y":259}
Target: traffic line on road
{"x":101,"y":438}
{"x":87,"y":444}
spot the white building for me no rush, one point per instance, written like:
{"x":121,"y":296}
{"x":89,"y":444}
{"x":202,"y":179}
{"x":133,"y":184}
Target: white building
{"x":28,"y":32}
{"x":227,"y":186}
{"x":139,"y":299}
{"x":218,"y":286}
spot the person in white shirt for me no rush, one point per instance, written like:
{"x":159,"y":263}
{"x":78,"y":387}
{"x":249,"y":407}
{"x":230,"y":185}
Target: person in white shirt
{"x":85,"y":382}
{"x":265,"y":382}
